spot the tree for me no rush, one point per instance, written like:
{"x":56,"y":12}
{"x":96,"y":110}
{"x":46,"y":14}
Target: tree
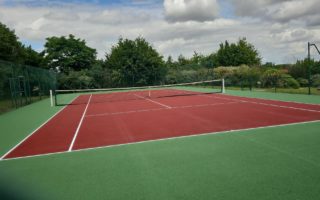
{"x":238,"y":54}
{"x":75,"y":80}
{"x":210,"y":61}
{"x":300,"y":68}
{"x":66,"y":54}
{"x":247,"y":76}
{"x":31,"y":57}
{"x":10,"y":47}
{"x":170,"y":63}
{"x":182,"y":60}
{"x":196,"y":58}
{"x":135,"y":63}
{"x":271,"y":77}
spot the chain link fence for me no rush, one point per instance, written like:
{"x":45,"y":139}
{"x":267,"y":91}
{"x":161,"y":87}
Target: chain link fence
{"x":21,"y":85}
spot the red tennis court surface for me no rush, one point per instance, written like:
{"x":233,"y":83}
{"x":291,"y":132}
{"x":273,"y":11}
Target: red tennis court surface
{"x":90,"y":125}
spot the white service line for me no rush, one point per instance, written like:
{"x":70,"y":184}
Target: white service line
{"x":166,"y":106}
{"x":79,"y":125}
{"x":158,"y":109}
{"x":265,"y":104}
{"x":13,"y":148}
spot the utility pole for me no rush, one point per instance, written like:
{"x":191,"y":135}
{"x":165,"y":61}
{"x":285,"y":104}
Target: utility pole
{"x":309,"y":70}
{"x":309,"y":63}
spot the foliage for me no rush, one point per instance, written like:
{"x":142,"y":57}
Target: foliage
{"x":67,"y":54}
{"x":237,"y":54}
{"x":135,"y":62}
{"x":303,"y":82}
{"x":271,"y":77}
{"x":224,"y":72}
{"x":316,"y":80}
{"x":31,"y":57}
{"x":12,"y":50}
{"x":287,"y":81}
{"x":75,"y":80}
{"x":300,"y":69}
{"x":210,"y":61}
{"x":247,"y":76}
{"x":188,"y":75}
{"x":10,"y":47}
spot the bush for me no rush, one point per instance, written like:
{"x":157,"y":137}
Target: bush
{"x":75,"y":80}
{"x":315,"y":80}
{"x":303,"y":82}
{"x":288,"y":81}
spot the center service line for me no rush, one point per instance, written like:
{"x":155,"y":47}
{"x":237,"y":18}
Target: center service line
{"x":153,"y":101}
{"x":80,"y":123}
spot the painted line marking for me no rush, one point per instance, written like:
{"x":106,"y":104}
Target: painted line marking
{"x":158,"y":109}
{"x":163,"y":139}
{"x":166,"y":106}
{"x":266,"y":104}
{"x":79,"y":125}
{"x":28,"y":136}
{"x":314,"y":104}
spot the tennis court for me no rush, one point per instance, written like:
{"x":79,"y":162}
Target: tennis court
{"x":274,"y":154}
{"x":99,"y":120}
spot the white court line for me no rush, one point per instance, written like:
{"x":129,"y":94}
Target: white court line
{"x":79,"y":125}
{"x":125,"y":112}
{"x":168,"y":107}
{"x":157,"y":109}
{"x":314,"y":104}
{"x":36,"y":130}
{"x":163,"y":139}
{"x":266,"y":104}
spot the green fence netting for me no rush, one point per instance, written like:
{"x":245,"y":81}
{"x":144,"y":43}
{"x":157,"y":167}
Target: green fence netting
{"x":21,"y":85}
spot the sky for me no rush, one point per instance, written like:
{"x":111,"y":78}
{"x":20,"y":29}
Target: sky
{"x":279,"y":29}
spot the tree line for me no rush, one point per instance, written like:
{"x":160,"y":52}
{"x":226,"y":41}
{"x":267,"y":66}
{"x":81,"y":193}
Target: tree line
{"x":136,"y":63}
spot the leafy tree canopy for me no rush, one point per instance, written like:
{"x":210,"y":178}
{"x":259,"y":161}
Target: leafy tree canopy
{"x":135,"y":62}
{"x":236,"y":54}
{"x":31,"y":57}
{"x":68,"y":53}
{"x":10,"y":47}
{"x":12,"y":50}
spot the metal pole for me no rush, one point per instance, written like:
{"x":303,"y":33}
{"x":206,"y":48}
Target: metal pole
{"x":51,"y":98}
{"x":223,"y":86}
{"x":309,"y":70}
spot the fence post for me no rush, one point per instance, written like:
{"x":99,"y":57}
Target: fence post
{"x":51,"y":98}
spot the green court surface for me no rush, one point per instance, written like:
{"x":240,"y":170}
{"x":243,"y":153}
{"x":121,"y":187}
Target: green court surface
{"x":267,"y":163}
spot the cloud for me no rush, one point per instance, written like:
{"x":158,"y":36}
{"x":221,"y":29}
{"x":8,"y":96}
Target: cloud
{"x":191,"y":10}
{"x":283,"y":11}
{"x":101,"y":26}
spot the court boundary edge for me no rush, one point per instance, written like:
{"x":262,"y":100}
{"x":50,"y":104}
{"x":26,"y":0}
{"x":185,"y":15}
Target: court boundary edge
{"x":268,"y":99}
{"x":162,"y":139}
{"x":265,"y":104}
{"x":34,"y":131}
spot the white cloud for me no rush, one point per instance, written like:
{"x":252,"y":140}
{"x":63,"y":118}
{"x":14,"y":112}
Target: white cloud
{"x":191,"y":10}
{"x":283,"y":11}
{"x":102,"y":26}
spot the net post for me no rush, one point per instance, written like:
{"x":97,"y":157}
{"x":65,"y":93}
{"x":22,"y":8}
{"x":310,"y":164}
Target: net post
{"x":51,"y":98}
{"x":223,"y":87}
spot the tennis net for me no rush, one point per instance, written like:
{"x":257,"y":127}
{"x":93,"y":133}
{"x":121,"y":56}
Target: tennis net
{"x":78,"y":96}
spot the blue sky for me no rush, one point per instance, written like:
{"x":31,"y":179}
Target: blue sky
{"x":277,"y":29}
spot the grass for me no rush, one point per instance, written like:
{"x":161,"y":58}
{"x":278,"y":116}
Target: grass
{"x":6,"y":104}
{"x":271,"y":163}
{"x":302,"y":90}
